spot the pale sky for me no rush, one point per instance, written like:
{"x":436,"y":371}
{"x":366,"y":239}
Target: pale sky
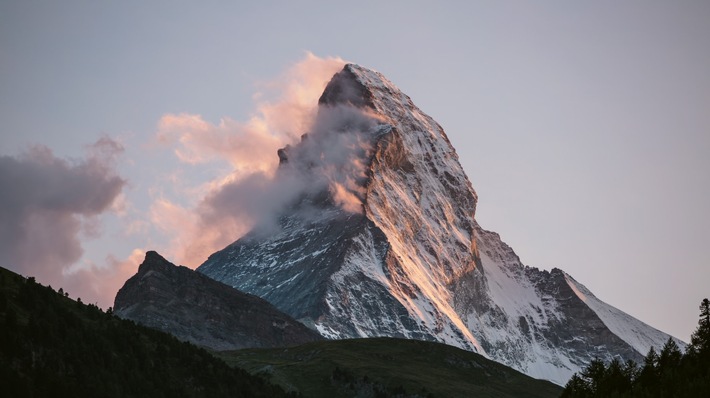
{"x":583,"y":126}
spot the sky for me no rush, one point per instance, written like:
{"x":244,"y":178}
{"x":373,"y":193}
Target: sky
{"x":583,"y":126}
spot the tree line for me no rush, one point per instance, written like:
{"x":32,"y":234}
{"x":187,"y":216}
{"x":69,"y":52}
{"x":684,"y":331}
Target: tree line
{"x":668,"y":373}
{"x":52,"y":346}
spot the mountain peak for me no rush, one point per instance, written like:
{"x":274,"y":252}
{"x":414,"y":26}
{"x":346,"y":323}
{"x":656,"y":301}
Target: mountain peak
{"x":152,"y":256}
{"x":414,"y":262}
{"x":381,"y":157}
{"x":346,"y":87}
{"x":153,"y":261}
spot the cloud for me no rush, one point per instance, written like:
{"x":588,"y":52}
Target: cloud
{"x":324,"y":166}
{"x":246,"y":146}
{"x":285,"y":108}
{"x":333,"y":156}
{"x":49,"y":204}
{"x":98,"y":284}
{"x":192,"y":241}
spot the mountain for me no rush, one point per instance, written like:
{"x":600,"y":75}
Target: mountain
{"x":52,"y":346}
{"x":195,"y":308}
{"x":381,"y":240}
{"x":390,"y":367}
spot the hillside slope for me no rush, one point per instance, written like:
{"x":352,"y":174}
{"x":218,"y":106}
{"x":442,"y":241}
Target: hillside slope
{"x":52,"y":346}
{"x":348,"y":368}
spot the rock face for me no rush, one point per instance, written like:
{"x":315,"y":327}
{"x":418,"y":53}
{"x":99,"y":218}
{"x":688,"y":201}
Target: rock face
{"x":388,"y":246}
{"x":205,"y":312}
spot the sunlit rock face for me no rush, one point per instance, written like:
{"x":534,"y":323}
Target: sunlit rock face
{"x":384,"y":243}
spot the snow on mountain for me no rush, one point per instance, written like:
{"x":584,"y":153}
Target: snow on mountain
{"x":634,"y":332}
{"x":381,"y":240}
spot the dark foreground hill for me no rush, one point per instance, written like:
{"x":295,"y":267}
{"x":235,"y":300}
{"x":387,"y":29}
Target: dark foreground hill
{"x":53,"y":346}
{"x":383,"y":367}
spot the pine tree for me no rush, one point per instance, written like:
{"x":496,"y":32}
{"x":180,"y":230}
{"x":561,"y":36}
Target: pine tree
{"x":669,"y":361}
{"x":631,"y":371}
{"x":648,"y":376}
{"x":700,"y":340}
{"x":669,"y":373}
{"x":576,"y":387}
{"x":594,"y":375}
{"x":670,"y":357}
{"x":698,"y":356}
{"x":615,"y":380}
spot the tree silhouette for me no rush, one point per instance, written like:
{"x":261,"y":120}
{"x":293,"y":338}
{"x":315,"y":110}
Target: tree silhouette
{"x":700,"y":340}
{"x":670,"y":373}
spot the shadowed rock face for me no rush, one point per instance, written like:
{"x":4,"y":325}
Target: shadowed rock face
{"x":205,"y":312}
{"x":344,"y":88}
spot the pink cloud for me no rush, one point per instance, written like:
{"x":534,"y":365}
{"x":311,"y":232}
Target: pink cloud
{"x":191,"y":239}
{"x":99,"y":284}
{"x":285,"y":108}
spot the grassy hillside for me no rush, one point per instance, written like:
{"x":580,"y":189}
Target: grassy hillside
{"x":388,"y":367}
{"x":53,"y":346}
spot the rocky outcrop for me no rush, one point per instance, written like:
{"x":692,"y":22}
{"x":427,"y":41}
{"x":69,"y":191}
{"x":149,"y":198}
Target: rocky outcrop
{"x":205,"y":312}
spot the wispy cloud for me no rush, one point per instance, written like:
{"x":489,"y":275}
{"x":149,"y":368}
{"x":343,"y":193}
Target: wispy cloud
{"x":285,"y":108}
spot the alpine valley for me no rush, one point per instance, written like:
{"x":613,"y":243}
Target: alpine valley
{"x":378,"y":238}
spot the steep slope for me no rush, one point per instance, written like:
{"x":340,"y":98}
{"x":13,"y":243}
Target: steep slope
{"x":392,"y":367}
{"x":387,"y":245}
{"x":195,"y":308}
{"x":536,"y":321}
{"x":364,"y":270}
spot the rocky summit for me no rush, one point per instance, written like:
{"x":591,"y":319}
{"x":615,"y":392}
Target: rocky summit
{"x":205,"y":312}
{"x":383,"y":242}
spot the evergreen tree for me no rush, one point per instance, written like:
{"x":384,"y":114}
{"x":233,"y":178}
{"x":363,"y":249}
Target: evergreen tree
{"x":615,"y":380}
{"x":697,"y":359}
{"x":700,"y":340}
{"x":670,"y":357}
{"x":52,"y":347}
{"x":669,"y":361}
{"x":648,"y":376}
{"x":631,"y":372}
{"x":669,"y":373}
{"x":594,"y":375}
{"x":577,"y":387}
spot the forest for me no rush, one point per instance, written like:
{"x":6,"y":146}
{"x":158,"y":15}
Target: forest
{"x":53,"y":346}
{"x":668,"y":373}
